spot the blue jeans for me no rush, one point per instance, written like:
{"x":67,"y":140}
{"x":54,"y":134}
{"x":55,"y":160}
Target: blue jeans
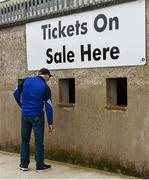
{"x":37,"y":123}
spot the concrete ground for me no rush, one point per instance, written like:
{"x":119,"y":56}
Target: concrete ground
{"x":9,"y":170}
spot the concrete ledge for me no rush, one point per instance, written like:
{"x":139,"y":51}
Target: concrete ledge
{"x":9,"y":169}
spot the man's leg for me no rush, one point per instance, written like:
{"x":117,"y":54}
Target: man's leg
{"x":38,"y":127}
{"x":26,"y":128}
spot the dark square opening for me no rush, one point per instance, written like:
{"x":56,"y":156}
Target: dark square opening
{"x":117,"y":91}
{"x":67,"y":90}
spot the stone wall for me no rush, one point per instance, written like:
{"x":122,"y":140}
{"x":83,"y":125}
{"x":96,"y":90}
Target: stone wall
{"x":87,"y":133}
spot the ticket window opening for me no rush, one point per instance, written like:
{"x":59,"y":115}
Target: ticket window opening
{"x":67,"y":91}
{"x":117,"y":91}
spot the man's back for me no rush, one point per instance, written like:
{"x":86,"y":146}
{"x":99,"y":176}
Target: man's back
{"x":33,"y":93}
{"x":32,"y":96}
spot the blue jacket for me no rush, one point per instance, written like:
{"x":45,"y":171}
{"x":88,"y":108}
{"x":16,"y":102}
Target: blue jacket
{"x":31,"y":95}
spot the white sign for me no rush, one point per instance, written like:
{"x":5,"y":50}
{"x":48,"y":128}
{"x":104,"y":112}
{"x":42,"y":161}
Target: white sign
{"x":108,"y":37}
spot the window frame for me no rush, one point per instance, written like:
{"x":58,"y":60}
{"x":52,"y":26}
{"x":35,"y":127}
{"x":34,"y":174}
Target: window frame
{"x":114,"y":105}
{"x":62,"y":103}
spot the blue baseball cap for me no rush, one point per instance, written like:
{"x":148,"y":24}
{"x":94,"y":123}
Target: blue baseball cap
{"x":44,"y":71}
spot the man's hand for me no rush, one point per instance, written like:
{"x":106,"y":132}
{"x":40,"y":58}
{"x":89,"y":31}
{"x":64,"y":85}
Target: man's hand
{"x":51,"y":128}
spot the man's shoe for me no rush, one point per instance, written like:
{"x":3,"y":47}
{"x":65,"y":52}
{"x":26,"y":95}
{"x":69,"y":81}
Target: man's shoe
{"x":22,"y":168}
{"x":45,"y":167}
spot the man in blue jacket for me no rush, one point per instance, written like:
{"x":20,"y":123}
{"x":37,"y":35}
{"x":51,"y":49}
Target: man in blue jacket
{"x":31,"y":95}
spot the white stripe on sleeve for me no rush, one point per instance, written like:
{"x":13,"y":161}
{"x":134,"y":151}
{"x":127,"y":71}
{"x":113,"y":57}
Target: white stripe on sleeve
{"x":49,"y":102}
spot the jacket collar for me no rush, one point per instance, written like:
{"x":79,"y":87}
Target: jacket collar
{"x":41,"y":78}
